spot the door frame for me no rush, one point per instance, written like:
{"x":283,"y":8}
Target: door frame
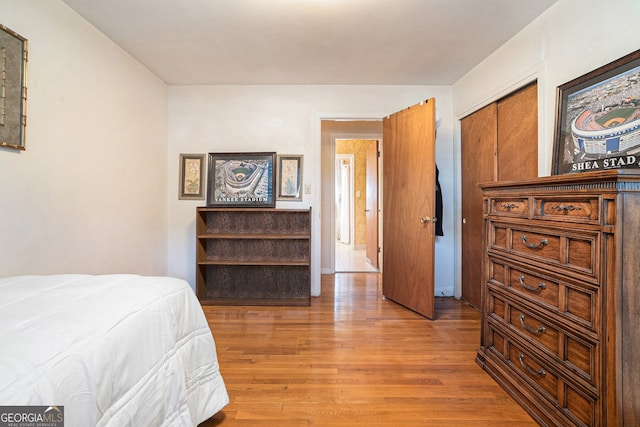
{"x":317,"y":196}
{"x":331,"y":191}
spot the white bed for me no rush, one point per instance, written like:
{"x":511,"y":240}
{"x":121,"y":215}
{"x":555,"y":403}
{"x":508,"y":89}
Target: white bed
{"x":115,"y":350}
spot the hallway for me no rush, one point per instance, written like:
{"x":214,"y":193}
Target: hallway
{"x":351,"y":261}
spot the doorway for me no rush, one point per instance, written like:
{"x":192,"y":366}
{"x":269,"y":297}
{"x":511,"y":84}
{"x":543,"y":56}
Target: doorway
{"x":344,"y":193}
{"x":350,"y":193}
{"x":412,"y":140}
{"x":330,"y":131}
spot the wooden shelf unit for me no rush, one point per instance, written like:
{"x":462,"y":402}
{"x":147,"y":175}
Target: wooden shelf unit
{"x":253,"y":256}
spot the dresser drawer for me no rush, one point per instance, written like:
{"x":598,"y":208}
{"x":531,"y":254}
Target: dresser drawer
{"x":541,"y":378}
{"x":577,"y":302}
{"x":568,"y":208}
{"x":577,"y":354}
{"x":509,"y":207}
{"x":572,"y":402}
{"x":573,"y":251}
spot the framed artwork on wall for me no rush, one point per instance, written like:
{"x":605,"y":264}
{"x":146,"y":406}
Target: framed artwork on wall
{"x":241,"y":180}
{"x":192,"y":173}
{"x":13,"y":89}
{"x":289,"y":183}
{"x":598,"y":119}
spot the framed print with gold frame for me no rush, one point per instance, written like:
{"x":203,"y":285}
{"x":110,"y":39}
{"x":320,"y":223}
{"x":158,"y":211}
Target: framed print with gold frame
{"x":289,"y":182}
{"x":13,"y":89}
{"x":192,"y":173}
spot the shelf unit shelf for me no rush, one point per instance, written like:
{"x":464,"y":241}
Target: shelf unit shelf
{"x":253,"y":256}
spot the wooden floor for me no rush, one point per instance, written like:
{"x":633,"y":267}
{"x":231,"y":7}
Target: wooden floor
{"x":354,"y":359}
{"x":349,"y":259}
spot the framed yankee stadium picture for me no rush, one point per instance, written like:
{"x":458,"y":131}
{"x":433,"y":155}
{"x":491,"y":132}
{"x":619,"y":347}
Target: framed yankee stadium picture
{"x":241,"y":180}
{"x":598,"y":119}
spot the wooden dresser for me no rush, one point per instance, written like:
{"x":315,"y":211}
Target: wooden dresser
{"x":561,"y":296}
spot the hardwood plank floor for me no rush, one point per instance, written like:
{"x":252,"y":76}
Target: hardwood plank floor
{"x":354,"y":359}
{"x":351,"y":260}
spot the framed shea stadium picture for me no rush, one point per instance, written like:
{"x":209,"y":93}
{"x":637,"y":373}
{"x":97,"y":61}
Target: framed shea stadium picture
{"x":598,"y":119}
{"x":241,"y":180}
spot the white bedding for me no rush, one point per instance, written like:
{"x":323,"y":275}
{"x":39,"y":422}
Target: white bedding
{"x":115,"y":350}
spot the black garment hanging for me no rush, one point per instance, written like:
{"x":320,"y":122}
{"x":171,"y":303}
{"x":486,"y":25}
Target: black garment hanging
{"x":439,"y":231}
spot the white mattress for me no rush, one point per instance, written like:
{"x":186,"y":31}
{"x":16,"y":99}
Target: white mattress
{"x":115,"y":350}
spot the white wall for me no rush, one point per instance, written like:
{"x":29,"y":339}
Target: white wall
{"x":89,"y":193}
{"x":94,"y":193}
{"x":286,"y":119}
{"x":571,"y":38}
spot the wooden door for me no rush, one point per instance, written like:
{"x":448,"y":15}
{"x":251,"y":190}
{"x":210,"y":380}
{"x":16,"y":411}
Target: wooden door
{"x":499,"y":142}
{"x":408,"y":207}
{"x":478,"y":146}
{"x":517,"y":153}
{"x":371,"y":209}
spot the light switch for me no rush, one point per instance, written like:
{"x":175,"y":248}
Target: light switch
{"x":307,"y":188}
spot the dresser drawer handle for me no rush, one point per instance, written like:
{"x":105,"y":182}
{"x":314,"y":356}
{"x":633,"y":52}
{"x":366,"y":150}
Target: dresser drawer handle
{"x":540,"y":286}
{"x":540,"y":372}
{"x":509,"y":206}
{"x":542,"y":243}
{"x":567,"y":208}
{"x":539,"y":330}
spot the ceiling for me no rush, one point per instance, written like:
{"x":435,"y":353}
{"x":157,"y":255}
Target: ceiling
{"x":316,"y":42}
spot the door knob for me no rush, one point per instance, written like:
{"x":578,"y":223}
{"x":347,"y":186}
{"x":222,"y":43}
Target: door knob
{"x":425,"y":220}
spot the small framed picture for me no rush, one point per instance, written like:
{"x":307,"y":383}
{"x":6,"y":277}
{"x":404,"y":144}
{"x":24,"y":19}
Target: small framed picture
{"x":598,"y":119}
{"x":241,"y":180}
{"x":289,"y":185}
{"x":192,"y":173}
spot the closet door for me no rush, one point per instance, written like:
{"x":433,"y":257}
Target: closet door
{"x":479,"y":136}
{"x":498,"y":143}
{"x":517,"y":155}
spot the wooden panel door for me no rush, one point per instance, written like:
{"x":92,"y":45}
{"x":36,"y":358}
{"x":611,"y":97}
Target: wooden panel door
{"x":371,"y":203}
{"x":517,"y":155}
{"x":408,"y":207}
{"x":478,"y":147}
{"x":498,"y":142}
